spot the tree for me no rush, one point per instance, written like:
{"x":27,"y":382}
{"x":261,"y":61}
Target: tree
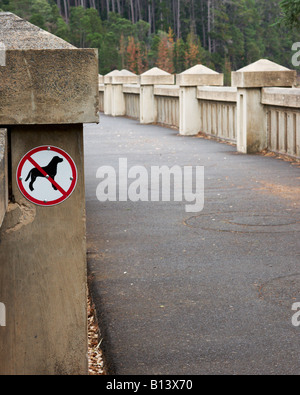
{"x":291,"y":13}
{"x":165,"y":59}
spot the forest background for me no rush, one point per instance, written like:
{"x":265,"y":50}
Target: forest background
{"x":173,"y":35}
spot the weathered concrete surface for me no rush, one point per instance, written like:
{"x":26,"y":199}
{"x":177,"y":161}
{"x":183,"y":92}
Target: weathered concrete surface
{"x":43,"y":269}
{"x":281,"y":97}
{"x":220,"y":93}
{"x":45,"y":80}
{"x":3,"y":175}
{"x":200,"y":75}
{"x":157,"y":76}
{"x":16,"y":33}
{"x":264,"y":73}
{"x":208,"y":294}
{"x":251,"y":121}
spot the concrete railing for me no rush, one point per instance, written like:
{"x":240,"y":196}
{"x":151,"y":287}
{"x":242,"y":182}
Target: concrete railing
{"x":167,"y":105}
{"x":283,"y":120}
{"x":217,"y":111}
{"x":132,"y":100}
{"x":256,"y":113}
{"x":3,"y":175}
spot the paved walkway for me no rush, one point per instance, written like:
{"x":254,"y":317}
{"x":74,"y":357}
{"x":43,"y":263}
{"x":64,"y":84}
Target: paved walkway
{"x":203,"y":294}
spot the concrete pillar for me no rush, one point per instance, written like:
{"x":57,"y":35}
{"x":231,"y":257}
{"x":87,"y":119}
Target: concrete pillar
{"x":114,"y":100}
{"x":118,"y":105}
{"x":155,"y":76}
{"x":188,"y":81}
{"x":251,"y":115}
{"x":108,"y":92}
{"x":48,"y":90}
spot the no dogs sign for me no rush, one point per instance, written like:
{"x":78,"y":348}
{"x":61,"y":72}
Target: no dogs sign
{"x":47,"y":176}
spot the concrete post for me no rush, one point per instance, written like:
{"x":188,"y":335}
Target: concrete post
{"x":251,"y":116}
{"x":108,"y":92}
{"x":118,"y":105}
{"x":155,"y":76}
{"x":114,"y":100}
{"x":48,"y":90}
{"x":188,"y":81}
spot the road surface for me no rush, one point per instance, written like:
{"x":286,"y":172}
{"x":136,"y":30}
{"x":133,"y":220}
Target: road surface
{"x":192,"y":294}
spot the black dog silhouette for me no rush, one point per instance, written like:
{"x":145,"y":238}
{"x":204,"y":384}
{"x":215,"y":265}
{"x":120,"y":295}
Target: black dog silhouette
{"x":51,"y":170}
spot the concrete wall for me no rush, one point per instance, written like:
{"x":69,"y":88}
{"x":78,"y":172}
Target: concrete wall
{"x":43,"y":269}
{"x":48,"y":90}
{"x":3,"y":175}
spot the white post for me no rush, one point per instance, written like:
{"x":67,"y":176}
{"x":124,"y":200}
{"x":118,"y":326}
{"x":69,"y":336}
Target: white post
{"x":189,"y":80}
{"x":148,"y":109}
{"x":118,"y":105}
{"x":251,"y":116}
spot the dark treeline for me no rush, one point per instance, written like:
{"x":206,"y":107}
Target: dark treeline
{"x":172,"y":34}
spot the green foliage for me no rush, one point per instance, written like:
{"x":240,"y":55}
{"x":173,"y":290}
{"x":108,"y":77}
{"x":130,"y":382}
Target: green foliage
{"x":224,"y":35}
{"x":291,"y":13}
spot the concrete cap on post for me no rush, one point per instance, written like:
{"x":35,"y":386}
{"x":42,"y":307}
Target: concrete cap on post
{"x":46,"y":80}
{"x":125,"y":77}
{"x":117,"y":77}
{"x":157,"y":76}
{"x":200,"y":75}
{"x":108,"y":77}
{"x":264,"y":73}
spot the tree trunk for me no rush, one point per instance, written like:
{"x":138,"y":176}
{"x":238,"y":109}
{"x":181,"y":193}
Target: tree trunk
{"x":107,"y":8}
{"x":119,"y":7}
{"x":132,"y":11}
{"x":149,"y":18}
{"x":178,"y":20}
{"x":209,"y":25}
{"x":66,"y":11}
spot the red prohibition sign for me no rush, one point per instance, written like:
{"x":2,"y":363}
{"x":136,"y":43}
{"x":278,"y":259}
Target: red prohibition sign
{"x":46,"y":176}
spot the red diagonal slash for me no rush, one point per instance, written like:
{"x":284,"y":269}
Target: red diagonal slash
{"x":33,"y":162}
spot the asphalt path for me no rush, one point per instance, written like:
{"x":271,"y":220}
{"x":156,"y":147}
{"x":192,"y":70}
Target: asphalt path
{"x":208,"y":293}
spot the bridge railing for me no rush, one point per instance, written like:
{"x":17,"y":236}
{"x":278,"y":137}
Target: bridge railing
{"x":260,"y":111}
{"x":283,"y":120}
{"x":217,"y":111}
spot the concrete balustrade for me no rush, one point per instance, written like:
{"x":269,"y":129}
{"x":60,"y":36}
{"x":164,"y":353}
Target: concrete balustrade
{"x":251,"y":115}
{"x":217,"y":111}
{"x":283,"y":120}
{"x":259,"y":111}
